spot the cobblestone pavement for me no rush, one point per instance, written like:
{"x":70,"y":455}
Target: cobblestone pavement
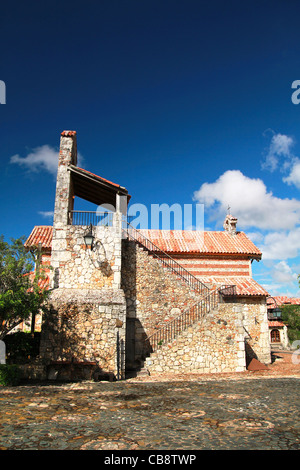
{"x":250,"y":411}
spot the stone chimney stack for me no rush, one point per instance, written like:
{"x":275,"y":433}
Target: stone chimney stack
{"x":230,"y":224}
{"x":64,"y":198}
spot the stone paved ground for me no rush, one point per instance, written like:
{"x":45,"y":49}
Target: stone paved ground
{"x":245,"y":411}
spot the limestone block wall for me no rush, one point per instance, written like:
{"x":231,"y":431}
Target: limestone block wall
{"x":213,"y":345}
{"x":256,"y":327}
{"x":153,"y":294}
{"x":84,"y":325}
{"x":78,"y":267}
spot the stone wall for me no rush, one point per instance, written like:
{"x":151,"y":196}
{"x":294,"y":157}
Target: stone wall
{"x":78,"y":267}
{"x":154,"y":295}
{"x":256,"y":327}
{"x":213,"y":345}
{"x":84,"y":326}
{"x":224,"y":341}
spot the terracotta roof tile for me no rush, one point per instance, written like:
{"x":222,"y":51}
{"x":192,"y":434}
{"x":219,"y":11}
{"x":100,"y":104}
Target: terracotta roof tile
{"x":99,"y":177}
{"x":40,"y":233}
{"x":68,"y":133}
{"x":244,"y":285}
{"x":43,"y":281}
{"x":275,"y":323}
{"x":193,"y":241}
{"x":283,"y":300}
{"x":174,"y":241}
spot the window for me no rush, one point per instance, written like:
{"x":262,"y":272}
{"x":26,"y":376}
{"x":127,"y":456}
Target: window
{"x":275,"y":336}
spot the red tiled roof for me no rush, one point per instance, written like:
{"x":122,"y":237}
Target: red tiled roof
{"x":40,"y":233}
{"x":174,"y":241}
{"x":68,"y":133}
{"x":275,"y":323}
{"x":99,"y":177}
{"x":193,"y":241}
{"x":282,"y":300}
{"x":43,"y":282}
{"x":244,"y":285}
{"x":189,"y":241}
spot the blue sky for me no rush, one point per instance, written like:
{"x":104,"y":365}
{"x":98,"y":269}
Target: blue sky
{"x":179,"y":101}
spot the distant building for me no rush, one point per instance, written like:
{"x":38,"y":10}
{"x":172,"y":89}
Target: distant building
{"x":278,"y":329}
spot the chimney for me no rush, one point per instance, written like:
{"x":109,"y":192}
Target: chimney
{"x":64,"y":199}
{"x":68,"y":148}
{"x":230,"y":224}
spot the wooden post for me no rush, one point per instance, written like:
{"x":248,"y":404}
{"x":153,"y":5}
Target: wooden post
{"x":36,"y":280}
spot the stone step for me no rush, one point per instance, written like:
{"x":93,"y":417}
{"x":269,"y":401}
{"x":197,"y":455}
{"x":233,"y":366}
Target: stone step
{"x":143,"y":372}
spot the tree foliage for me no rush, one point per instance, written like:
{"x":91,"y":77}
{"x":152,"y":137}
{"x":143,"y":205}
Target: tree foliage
{"x":20,"y":293}
{"x":291,"y":316}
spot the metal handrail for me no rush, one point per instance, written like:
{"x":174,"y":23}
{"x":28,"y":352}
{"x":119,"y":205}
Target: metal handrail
{"x":195,"y":313}
{"x":167,"y":260}
{"x":91,"y":217}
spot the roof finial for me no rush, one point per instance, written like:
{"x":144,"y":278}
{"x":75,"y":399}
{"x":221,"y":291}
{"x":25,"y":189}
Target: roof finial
{"x":230,"y":223}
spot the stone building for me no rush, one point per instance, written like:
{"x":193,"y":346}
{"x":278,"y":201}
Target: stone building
{"x":123,"y":299}
{"x":277,"y":328}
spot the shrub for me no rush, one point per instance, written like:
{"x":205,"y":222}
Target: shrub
{"x":9,"y":374}
{"x":21,"y":347}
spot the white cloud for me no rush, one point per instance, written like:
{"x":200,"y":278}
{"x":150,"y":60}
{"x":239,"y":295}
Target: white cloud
{"x":280,"y":146}
{"x":256,"y":237}
{"x":249,"y":201}
{"x":280,"y":152}
{"x":294,"y":176}
{"x":281,"y":245}
{"x":283,"y":274}
{"x":47,"y":214}
{"x":43,"y":158}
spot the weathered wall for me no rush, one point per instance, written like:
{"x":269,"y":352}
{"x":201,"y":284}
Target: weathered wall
{"x":255,"y":323}
{"x":213,"y":345}
{"x":78,"y":267}
{"x":83,"y":325}
{"x":87,"y":311}
{"x":154,"y":295}
{"x":216,"y":265}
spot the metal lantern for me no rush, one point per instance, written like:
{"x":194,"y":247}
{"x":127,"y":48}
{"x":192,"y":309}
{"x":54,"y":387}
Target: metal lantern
{"x":89,"y":238}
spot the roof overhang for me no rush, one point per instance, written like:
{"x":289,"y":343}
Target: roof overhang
{"x":94,"y":188}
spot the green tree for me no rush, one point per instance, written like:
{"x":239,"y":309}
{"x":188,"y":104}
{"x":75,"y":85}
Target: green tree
{"x":20,"y":293}
{"x":291,"y":316}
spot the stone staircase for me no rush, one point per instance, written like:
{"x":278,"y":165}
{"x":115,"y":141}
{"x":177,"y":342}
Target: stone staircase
{"x":210,"y":345}
{"x":177,"y":326}
{"x":166,"y":260}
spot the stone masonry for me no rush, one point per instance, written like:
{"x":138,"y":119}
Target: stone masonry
{"x":214,"y":345}
{"x":87,"y":311}
{"x":108,"y":298}
{"x":154,"y":295}
{"x":85,"y":325}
